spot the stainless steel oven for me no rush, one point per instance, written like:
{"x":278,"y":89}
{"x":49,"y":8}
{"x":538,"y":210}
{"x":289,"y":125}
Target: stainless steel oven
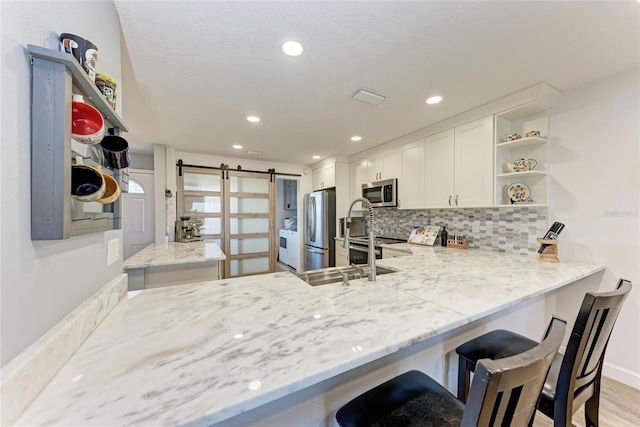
{"x":359,"y":252}
{"x":381,"y":194}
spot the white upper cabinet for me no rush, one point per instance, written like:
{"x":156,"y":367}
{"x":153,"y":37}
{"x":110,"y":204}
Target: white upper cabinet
{"x":380,"y":167}
{"x":440,"y":159}
{"x":388,"y":165}
{"x":474,"y":163}
{"x":411,"y":180}
{"x":459,"y":166}
{"x":324,"y":176}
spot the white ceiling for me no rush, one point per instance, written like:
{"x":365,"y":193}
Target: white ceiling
{"x":193,"y":70}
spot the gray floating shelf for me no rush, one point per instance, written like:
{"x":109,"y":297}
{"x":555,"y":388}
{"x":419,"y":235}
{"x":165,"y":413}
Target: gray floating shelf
{"x":54,"y":214}
{"x":80,"y":78}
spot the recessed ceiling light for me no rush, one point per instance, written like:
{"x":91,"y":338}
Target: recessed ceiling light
{"x":316,"y":157}
{"x":434,"y":100}
{"x":237,"y":147}
{"x":253,"y":119}
{"x":356,"y":138}
{"x":292,"y":48}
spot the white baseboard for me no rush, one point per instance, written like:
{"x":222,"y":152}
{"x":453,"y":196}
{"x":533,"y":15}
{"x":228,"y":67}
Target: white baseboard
{"x":623,"y":375}
{"x":24,"y":377}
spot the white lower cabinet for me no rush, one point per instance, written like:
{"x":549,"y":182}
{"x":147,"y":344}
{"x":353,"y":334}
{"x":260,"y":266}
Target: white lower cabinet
{"x":342,"y":254}
{"x":293,"y":249}
{"x":411,"y":179}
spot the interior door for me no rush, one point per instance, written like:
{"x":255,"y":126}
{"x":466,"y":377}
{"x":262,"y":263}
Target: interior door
{"x":138,"y":223}
{"x":250,"y":239}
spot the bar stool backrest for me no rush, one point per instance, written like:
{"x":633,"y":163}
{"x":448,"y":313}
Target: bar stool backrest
{"x":582,"y":363}
{"x":505,"y":392}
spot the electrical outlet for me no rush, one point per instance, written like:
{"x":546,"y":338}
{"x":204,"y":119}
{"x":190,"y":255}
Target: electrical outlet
{"x":475,"y":227}
{"x":113,"y":251}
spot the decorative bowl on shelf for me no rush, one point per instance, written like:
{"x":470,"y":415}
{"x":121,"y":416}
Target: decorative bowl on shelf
{"x":87,"y":124}
{"x":87,"y":183}
{"x":512,"y":137}
{"x":112,"y":189}
{"x":520,"y":165}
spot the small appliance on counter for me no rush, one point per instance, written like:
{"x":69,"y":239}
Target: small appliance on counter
{"x":188,"y":230}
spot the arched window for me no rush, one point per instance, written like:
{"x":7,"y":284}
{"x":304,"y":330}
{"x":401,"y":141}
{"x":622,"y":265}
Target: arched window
{"x":135,"y":187}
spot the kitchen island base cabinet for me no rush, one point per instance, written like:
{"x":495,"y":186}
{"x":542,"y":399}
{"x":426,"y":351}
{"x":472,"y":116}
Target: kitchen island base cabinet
{"x":436,"y":357}
{"x":174,"y":263}
{"x":168,"y":275}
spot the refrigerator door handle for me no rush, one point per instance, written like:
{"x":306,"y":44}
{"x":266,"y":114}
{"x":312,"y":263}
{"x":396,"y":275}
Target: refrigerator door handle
{"x":315,"y":251}
{"x":313,"y":216}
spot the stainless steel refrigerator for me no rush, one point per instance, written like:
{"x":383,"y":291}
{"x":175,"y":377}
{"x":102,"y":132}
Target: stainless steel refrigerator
{"x":320,"y":229}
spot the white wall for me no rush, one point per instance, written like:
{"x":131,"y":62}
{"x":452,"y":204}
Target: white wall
{"x":41,"y":282}
{"x":595,"y":191}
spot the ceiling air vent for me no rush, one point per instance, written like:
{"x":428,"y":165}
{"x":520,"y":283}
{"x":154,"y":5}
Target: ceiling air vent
{"x":368,"y":97}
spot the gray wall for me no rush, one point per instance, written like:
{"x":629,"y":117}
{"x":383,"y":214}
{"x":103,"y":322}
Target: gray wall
{"x":42,"y":282}
{"x":142,"y":161}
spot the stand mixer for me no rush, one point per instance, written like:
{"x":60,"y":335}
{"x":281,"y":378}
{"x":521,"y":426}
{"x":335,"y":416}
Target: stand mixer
{"x":188,"y":230}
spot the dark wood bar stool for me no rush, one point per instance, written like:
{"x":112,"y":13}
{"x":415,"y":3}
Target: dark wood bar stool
{"x":504,"y":393}
{"x":574,"y":378}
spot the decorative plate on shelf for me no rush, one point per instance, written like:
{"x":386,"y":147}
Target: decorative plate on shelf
{"x":518,"y":192}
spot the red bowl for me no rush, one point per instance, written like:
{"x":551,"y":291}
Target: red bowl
{"x":86,"y":122}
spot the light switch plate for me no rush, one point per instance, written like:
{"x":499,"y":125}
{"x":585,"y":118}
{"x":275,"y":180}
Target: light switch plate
{"x":475,"y":227}
{"x":113,"y":251}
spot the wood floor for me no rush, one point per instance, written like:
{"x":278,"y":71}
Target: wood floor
{"x":619,"y":407}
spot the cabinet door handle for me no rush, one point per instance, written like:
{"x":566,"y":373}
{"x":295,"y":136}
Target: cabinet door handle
{"x":456,"y":200}
{"x":398,"y":202}
{"x":449,"y":200}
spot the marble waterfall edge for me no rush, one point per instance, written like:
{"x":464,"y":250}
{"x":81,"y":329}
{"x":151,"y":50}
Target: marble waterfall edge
{"x":24,"y":377}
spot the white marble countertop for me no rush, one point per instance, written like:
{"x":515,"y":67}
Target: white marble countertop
{"x":199,"y":354}
{"x":174,"y":253}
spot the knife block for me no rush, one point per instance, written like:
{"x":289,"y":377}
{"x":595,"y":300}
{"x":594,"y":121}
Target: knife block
{"x":550,"y":253}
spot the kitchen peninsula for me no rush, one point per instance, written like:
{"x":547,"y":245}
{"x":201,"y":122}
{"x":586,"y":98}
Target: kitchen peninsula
{"x":272,"y":350}
{"x":172,"y":263}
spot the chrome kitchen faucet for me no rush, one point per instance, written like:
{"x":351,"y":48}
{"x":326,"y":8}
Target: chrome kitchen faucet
{"x":370,"y":270}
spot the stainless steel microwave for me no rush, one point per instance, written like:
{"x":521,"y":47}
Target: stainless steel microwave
{"x":381,"y":194}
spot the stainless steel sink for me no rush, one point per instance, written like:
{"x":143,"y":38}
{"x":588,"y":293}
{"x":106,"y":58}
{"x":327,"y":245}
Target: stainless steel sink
{"x":335,"y":274}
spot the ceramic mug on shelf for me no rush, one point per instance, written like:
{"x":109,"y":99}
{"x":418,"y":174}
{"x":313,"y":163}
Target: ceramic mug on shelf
{"x":116,"y":152}
{"x":85,"y":52}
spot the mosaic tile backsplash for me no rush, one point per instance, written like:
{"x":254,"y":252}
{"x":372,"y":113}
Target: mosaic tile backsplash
{"x":510,"y":229}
